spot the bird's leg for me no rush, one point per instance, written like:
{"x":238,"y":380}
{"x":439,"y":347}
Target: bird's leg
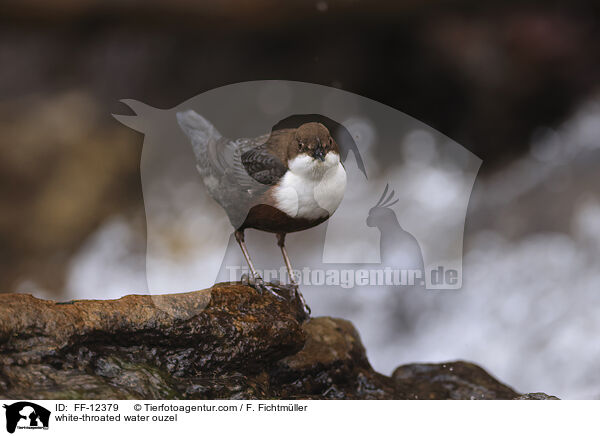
{"x":286,"y":259}
{"x":293,"y":285}
{"x":239,"y":237}
{"x":257,"y":281}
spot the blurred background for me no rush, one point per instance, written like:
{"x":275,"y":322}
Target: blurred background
{"x":516,"y":83}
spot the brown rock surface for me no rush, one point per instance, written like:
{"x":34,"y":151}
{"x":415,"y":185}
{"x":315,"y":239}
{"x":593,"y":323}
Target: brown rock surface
{"x":225,"y":342}
{"x":450,"y":381}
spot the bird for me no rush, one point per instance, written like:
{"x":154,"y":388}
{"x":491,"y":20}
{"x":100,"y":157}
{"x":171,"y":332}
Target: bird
{"x":288,"y":180}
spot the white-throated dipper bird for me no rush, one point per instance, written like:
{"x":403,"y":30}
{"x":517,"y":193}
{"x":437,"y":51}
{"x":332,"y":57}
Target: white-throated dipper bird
{"x":286,"y":181}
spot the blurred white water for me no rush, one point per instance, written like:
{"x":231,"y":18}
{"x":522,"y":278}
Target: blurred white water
{"x":529,"y":309}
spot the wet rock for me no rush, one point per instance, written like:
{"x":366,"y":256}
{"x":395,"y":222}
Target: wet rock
{"x":536,"y":396}
{"x":140,"y":346}
{"x":332,"y":364}
{"x":449,"y":381}
{"x":225,"y":342}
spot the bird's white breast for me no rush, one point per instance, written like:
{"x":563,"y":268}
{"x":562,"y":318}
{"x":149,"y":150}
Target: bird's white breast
{"x":311,"y":189}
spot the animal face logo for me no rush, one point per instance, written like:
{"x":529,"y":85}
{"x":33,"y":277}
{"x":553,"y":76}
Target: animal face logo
{"x":404,"y":206}
{"x":26,"y":415}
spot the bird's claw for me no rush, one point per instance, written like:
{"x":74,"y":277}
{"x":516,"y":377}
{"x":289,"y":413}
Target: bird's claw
{"x":295,"y":296}
{"x":298,"y":297}
{"x":245,"y":280}
{"x":258,"y":283}
{"x":291,"y":289}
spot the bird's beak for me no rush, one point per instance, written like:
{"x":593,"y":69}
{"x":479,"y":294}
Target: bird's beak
{"x":319,"y":154}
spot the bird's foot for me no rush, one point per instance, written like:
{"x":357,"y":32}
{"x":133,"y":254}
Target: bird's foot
{"x":258,"y":283}
{"x":295,"y":296}
{"x":245,"y":280}
{"x":300,"y":299}
{"x":276,"y":288}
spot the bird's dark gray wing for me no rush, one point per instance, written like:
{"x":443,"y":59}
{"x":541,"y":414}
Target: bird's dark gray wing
{"x":219,"y":162}
{"x":262,"y":165}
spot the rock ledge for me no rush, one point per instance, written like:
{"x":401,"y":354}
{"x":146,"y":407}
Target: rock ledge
{"x":225,"y":342}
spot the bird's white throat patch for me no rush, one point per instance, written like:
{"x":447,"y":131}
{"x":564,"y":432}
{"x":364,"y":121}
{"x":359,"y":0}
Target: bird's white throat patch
{"x":311,"y":189}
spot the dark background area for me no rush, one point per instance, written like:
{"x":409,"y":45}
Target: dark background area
{"x":487,"y":74}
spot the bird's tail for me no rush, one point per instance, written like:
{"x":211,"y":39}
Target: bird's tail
{"x":200,"y":131}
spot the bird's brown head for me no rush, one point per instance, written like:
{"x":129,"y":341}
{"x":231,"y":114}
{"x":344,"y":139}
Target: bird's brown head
{"x":314,"y":140}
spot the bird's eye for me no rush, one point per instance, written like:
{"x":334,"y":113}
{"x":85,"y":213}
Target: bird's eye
{"x":300,"y":145}
{"x":330,"y":141}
